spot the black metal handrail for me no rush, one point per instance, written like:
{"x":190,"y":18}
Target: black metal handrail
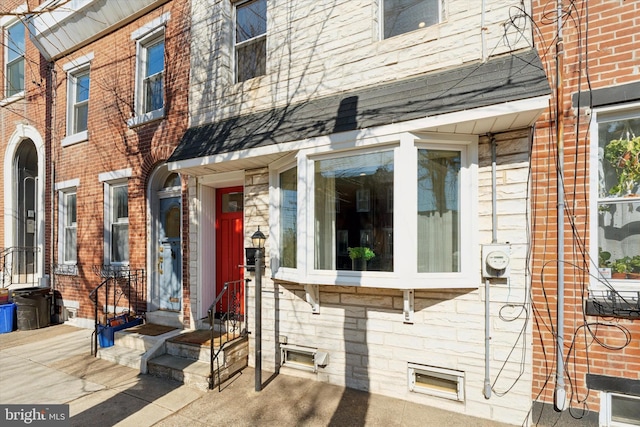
{"x":118,"y":284}
{"x":16,"y":261}
{"x":228,"y":310}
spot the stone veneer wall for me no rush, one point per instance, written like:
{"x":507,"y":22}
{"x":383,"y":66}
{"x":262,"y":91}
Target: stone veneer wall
{"x":363,"y":329}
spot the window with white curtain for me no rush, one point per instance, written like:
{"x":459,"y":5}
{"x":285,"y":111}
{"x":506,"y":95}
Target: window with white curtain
{"x":288,"y":217}
{"x":438,"y":208}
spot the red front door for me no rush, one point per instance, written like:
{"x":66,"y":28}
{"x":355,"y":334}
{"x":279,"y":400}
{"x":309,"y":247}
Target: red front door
{"x":229,"y":245}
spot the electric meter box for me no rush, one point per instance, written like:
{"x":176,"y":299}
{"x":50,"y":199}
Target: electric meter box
{"x":496,"y":260}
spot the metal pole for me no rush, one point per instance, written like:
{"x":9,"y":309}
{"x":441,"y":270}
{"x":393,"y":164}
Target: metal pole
{"x":560,"y":393}
{"x":258,"y":337}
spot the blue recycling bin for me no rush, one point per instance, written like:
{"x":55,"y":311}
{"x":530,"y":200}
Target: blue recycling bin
{"x":7,"y":312}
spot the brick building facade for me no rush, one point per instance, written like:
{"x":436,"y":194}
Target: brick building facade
{"x":600,"y":93}
{"x":109,"y":106}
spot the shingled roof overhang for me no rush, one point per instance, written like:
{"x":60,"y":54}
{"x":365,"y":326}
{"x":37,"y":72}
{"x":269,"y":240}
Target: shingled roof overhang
{"x":513,"y":77}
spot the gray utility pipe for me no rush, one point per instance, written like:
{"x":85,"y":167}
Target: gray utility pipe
{"x":487,"y":283}
{"x":560,"y":394}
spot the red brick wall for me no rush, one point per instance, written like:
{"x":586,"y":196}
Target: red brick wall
{"x":30,"y":110}
{"x":112,"y":145}
{"x":610,"y":56}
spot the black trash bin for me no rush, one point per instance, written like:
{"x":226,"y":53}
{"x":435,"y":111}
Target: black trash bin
{"x":33,"y":307}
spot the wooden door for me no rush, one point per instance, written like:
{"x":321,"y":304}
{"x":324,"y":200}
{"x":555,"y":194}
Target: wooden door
{"x":229,"y":244}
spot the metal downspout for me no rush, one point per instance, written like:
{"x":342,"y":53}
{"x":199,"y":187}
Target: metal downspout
{"x":560,"y":393}
{"x":487,"y":305}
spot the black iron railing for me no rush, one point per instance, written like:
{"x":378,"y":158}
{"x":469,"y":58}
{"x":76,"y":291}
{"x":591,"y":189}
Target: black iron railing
{"x":18,"y":265}
{"x":227,"y":322}
{"x":122,"y":292}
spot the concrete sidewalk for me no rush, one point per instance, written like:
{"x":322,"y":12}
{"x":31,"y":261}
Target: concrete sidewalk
{"x":53,"y":365}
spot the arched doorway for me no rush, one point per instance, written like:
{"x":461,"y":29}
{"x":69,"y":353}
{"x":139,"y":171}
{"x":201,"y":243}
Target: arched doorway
{"x":165,"y":249}
{"x":25,"y":226}
{"x":24,"y":219}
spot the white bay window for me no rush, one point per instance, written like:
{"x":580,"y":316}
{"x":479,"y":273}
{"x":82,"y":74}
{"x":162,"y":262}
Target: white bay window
{"x":400,"y":210}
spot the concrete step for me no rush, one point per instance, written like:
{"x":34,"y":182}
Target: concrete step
{"x":189,"y":351}
{"x":186,"y":366}
{"x":140,"y":341}
{"x":121,"y":355}
{"x":190,"y":372}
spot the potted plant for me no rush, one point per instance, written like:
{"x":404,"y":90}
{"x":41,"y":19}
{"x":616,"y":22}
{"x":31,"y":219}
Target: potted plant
{"x":359,"y":256}
{"x":620,"y":268}
{"x":634,"y":264}
{"x":624,"y":157}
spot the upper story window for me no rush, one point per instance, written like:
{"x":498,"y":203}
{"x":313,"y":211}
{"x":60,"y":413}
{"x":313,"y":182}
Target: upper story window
{"x":78,"y":83}
{"x":153,"y":75}
{"x":78,"y":96}
{"x":616,"y":155}
{"x":15,"y":49}
{"x":251,"y":39}
{"x":150,"y":71}
{"x":402,"y":16}
{"x":379,"y":215}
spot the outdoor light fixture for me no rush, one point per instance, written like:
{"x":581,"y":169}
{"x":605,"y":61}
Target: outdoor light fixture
{"x":258,"y":238}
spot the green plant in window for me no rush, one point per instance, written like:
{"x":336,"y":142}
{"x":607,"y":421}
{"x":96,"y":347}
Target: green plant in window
{"x":635,"y":264}
{"x":624,"y":157}
{"x":361,"y":252}
{"x":604,"y":259}
{"x":622,"y":265}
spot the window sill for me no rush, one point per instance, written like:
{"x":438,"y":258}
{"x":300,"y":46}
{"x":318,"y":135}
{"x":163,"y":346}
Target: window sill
{"x":75,"y":138}
{"x":377,"y":279}
{"x":11,"y":99}
{"x":146,"y":118}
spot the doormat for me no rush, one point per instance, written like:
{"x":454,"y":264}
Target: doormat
{"x":151,"y":329}
{"x":202,"y":337}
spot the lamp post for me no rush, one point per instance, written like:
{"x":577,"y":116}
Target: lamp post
{"x":258,"y":238}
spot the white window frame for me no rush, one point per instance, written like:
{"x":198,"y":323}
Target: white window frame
{"x":110,"y":180}
{"x":256,"y":39}
{"x":145,"y":36}
{"x":601,"y":285}
{"x":275,"y":169}
{"x":606,"y":409}
{"x":405,"y":275}
{"x":6,"y":23}
{"x":381,"y":18}
{"x":75,"y":68}
{"x":64,"y":189}
{"x":456,"y":377}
